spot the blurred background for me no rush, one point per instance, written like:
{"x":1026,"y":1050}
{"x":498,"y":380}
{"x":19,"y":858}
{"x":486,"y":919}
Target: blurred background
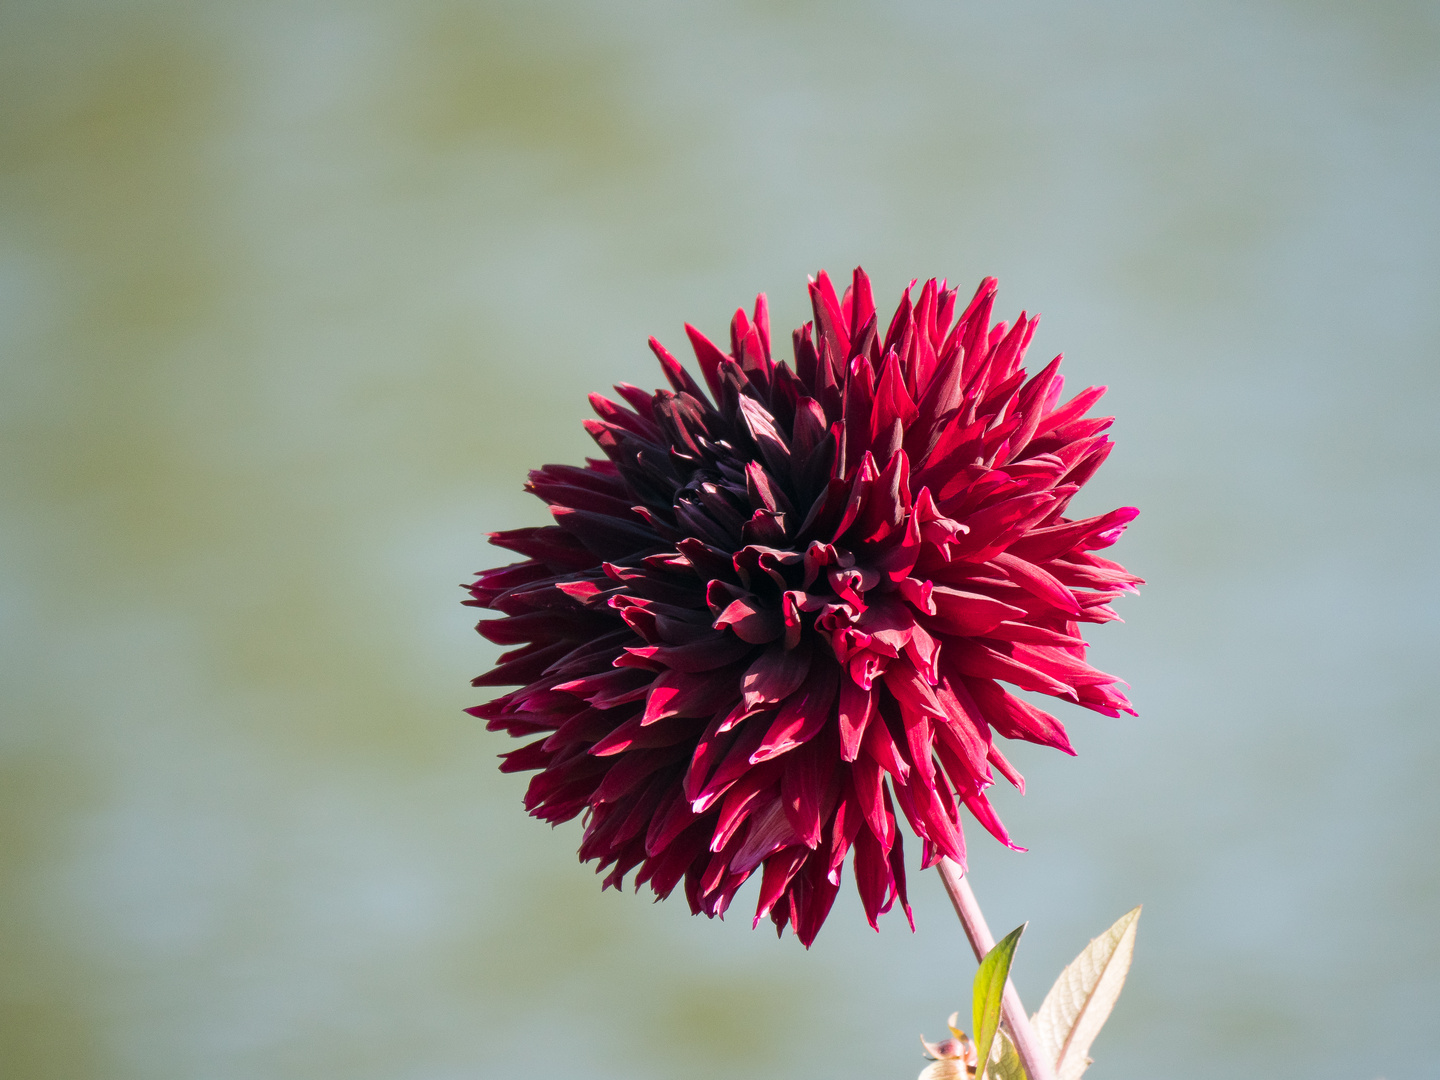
{"x":291,"y":296}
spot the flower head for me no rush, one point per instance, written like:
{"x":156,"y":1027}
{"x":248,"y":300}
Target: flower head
{"x":777,"y":614}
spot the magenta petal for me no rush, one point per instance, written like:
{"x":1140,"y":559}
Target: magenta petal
{"x":984,"y":813}
{"x":1017,"y":719}
{"x":780,"y":868}
{"x":753,"y":792}
{"x":679,"y":693}
{"x":1040,"y":582}
{"x":803,"y":790}
{"x":880,"y":744}
{"x":734,"y":766}
{"x":770,"y":830}
{"x":971,"y":658}
{"x":855,"y":706}
{"x":774,"y":675}
{"x":996,"y":758}
{"x":869,"y":782}
{"x":968,"y":614}
{"x":846,"y":826}
{"x":872,"y":877}
{"x":897,"y":873}
{"x":752,"y":625}
{"x":710,"y":749}
{"x":706,"y":654}
{"x":804,"y":713}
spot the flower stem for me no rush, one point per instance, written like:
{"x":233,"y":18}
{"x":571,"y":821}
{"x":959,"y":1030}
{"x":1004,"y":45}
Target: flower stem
{"x":1037,"y":1065}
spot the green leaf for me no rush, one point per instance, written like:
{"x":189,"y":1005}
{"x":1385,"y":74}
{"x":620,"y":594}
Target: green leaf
{"x":1079,"y":1003}
{"x":1005,"y":1063}
{"x":989,"y":990}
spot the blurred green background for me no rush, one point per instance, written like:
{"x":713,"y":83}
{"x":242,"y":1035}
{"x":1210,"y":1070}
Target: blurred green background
{"x":291,"y":294}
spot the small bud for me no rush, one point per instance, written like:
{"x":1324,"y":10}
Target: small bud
{"x":951,"y":1059}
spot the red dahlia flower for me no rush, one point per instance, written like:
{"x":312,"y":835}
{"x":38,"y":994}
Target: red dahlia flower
{"x":775,"y":612}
